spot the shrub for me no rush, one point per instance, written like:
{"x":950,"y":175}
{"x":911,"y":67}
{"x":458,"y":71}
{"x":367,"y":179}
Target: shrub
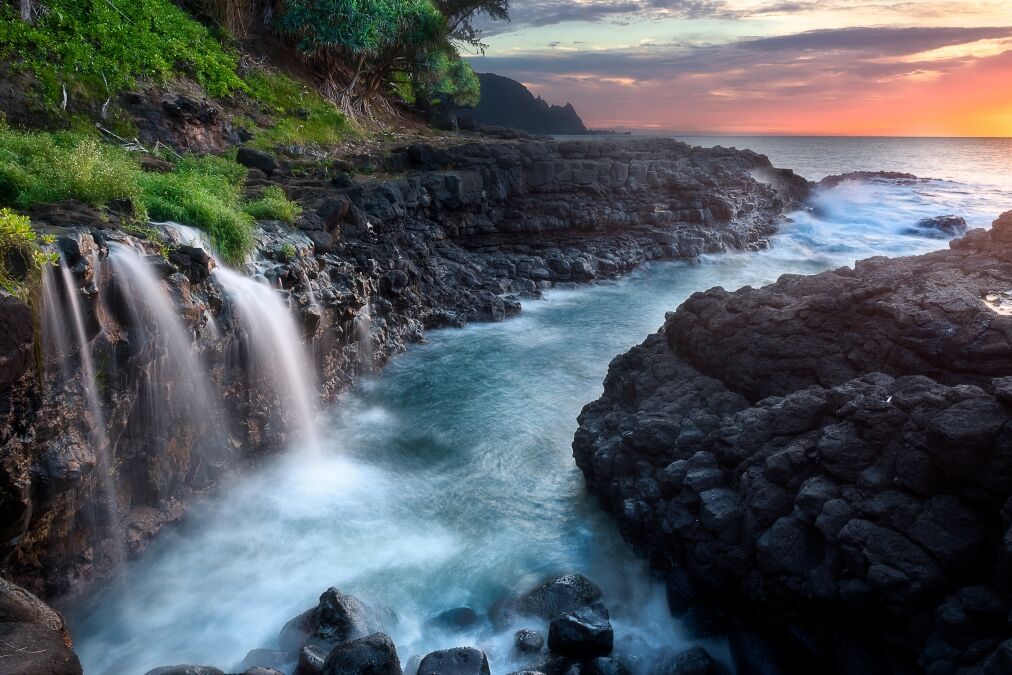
{"x":273,"y":204}
{"x":18,"y":243}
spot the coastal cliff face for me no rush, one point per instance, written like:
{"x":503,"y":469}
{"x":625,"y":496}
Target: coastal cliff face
{"x":823,"y":466}
{"x":140,"y":383}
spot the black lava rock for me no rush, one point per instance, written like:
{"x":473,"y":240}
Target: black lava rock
{"x":584,"y":633}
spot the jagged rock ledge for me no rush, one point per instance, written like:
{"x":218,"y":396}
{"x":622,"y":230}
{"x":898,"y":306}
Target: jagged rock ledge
{"x":823,"y":466}
{"x":421,"y":237}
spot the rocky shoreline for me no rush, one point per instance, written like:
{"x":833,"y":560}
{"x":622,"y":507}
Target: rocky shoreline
{"x":822,"y":466}
{"x":386,"y":247}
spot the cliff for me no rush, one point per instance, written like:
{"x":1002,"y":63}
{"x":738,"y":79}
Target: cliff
{"x":823,"y":467}
{"x":508,"y":103}
{"x":155,"y":381}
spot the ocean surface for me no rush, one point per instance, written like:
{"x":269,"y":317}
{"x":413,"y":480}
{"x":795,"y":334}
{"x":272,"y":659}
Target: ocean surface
{"x":448,"y":480}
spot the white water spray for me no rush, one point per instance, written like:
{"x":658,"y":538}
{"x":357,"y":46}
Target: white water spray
{"x":274,"y":344}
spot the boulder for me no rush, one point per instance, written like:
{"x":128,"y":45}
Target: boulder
{"x":459,"y":661}
{"x":266,"y":658}
{"x":337,"y":618}
{"x":583,"y":633}
{"x":563,"y":593}
{"x":945,"y":227}
{"x":311,"y":661}
{"x":457,"y":619}
{"x":371,"y":655}
{"x":33,"y":637}
{"x":257,"y":159}
{"x":603,"y":665}
{"x":527,"y":641}
{"x":694,"y":661}
{"x":185,"y":670}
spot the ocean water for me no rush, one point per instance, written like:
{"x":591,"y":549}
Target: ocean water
{"x":448,"y":480}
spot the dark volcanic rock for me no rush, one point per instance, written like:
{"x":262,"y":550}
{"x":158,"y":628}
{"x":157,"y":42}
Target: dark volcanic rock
{"x":459,"y":661}
{"x":695,"y":661}
{"x":563,"y":593}
{"x":311,"y":661}
{"x":459,"y":618}
{"x":33,"y":638}
{"x":945,"y":227}
{"x":371,"y":655}
{"x":584,"y":633}
{"x":528,"y":641}
{"x":827,"y":461}
{"x":337,"y":618}
{"x":258,"y":159}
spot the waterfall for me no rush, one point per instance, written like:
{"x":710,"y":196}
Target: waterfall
{"x":362,"y":336}
{"x":177,"y":388}
{"x":61,"y":344}
{"x":273,"y":343}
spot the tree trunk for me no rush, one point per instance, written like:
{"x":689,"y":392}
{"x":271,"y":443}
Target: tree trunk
{"x":26,"y":11}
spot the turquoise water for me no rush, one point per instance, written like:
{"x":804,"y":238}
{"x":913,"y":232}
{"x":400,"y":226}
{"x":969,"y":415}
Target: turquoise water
{"x":448,"y":480}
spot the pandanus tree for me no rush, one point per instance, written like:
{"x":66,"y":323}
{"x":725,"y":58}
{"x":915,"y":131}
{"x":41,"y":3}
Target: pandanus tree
{"x":359,"y":43}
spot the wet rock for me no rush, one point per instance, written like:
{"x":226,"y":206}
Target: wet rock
{"x":459,"y":661}
{"x":604,"y":666}
{"x":17,"y":331}
{"x":311,"y":661}
{"x":262,"y":670}
{"x":563,"y":593}
{"x":185,"y":670}
{"x":33,"y":637}
{"x":459,"y":618}
{"x":583,"y":633}
{"x":267,"y":658}
{"x":695,"y":661}
{"x":337,"y":618}
{"x":527,"y":641}
{"x":940,"y":226}
{"x":371,"y":655}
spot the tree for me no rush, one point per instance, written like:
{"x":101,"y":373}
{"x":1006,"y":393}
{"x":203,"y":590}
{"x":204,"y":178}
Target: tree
{"x":460,"y":16}
{"x":27,"y":11}
{"x":362,"y":41}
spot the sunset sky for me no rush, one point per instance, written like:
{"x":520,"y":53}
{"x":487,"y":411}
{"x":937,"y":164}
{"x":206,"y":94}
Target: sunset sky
{"x":866,"y":67}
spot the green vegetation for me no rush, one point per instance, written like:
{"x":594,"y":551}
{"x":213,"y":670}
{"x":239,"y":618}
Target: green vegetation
{"x":272,"y":204}
{"x":38,"y":168}
{"x":103,"y":47}
{"x":206,"y":192}
{"x":373,"y":44}
{"x":303,"y":116}
{"x":20,"y":256}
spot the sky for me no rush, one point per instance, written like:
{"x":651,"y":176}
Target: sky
{"x":823,"y":67}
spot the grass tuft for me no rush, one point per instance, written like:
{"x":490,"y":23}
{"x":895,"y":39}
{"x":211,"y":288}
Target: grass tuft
{"x":273,"y":204}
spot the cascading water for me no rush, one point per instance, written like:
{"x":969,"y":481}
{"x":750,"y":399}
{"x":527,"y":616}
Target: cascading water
{"x":59,"y":308}
{"x":177,"y":389}
{"x":270,"y":338}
